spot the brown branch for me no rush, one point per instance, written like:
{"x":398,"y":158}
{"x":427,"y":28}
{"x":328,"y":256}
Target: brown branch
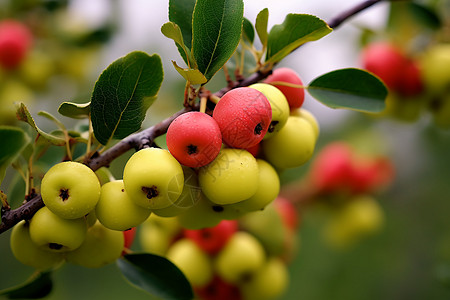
{"x":147,"y":136}
{"x":342,"y":17}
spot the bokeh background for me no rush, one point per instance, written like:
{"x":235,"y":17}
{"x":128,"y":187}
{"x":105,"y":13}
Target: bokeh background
{"x":408,"y":258}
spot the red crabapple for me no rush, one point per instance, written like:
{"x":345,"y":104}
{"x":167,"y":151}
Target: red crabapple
{"x":288,"y":213}
{"x":294,"y":95}
{"x":218,"y":289}
{"x":15,"y":41}
{"x":332,"y":168}
{"x":386,"y":61}
{"x":194,"y":139}
{"x":244,"y":115}
{"x":128,"y":236}
{"x":212,"y":239}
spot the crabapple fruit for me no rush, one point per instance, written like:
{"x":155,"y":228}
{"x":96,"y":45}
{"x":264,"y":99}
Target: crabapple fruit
{"x":128,"y":236}
{"x":192,"y":261}
{"x":212,"y":239}
{"x":230,"y":178}
{"x":360,"y":217}
{"x":269,"y":283}
{"x":241,"y":257}
{"x":15,"y":41}
{"x":115,"y":209}
{"x":194,"y":139}
{"x":153,"y":178}
{"x":292,"y":146}
{"x":294,"y":95}
{"x":101,"y":247}
{"x":332,"y":168}
{"x":306,"y":114}
{"x":268,"y":189}
{"x":157,"y":233}
{"x":203,"y":214}
{"x":53,"y":233}
{"x":190,"y":195}
{"x":384,"y":60}
{"x":288,"y":213}
{"x":268,"y":227}
{"x":244,"y":115}
{"x":279,"y":105}
{"x":218,"y":289}
{"x":28,"y":253}
{"x":70,"y":189}
{"x":435,"y":72}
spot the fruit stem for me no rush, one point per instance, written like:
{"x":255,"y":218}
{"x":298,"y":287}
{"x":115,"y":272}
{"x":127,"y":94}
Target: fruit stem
{"x":203,"y":101}
{"x":293,"y":85}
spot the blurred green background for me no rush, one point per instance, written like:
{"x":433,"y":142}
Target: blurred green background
{"x":409,"y":258}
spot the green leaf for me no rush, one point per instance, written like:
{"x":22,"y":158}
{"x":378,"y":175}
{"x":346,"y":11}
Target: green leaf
{"x":156,"y":275}
{"x":216,"y":32}
{"x":248,"y":33}
{"x":194,"y":76}
{"x":296,"y":30}
{"x":24,"y":115}
{"x":425,"y":15}
{"x":75,"y":110}
{"x":37,"y":286}
{"x":172,"y":31}
{"x":123,"y":93}
{"x":14,"y":141}
{"x":180,"y":13}
{"x":353,"y":89}
{"x":262,"y":20}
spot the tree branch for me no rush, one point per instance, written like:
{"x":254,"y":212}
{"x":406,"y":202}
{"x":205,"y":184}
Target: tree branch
{"x":341,"y":18}
{"x":146,"y":137}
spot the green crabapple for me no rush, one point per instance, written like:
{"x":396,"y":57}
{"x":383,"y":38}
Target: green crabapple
{"x":115,"y":209}
{"x":292,"y":146}
{"x":101,"y":247}
{"x":269,"y":283}
{"x":241,"y":257}
{"x":190,"y":195}
{"x":153,"y":178}
{"x":28,"y":253}
{"x":53,"y":233}
{"x":244,"y":116}
{"x":194,"y":139}
{"x":278,"y":104}
{"x":192,"y":261}
{"x":230,"y":178}
{"x":70,"y":189}
{"x":268,"y":189}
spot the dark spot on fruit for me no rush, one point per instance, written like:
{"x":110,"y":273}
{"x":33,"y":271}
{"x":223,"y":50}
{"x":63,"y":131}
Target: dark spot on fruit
{"x":246,"y":277}
{"x":150,"y":192}
{"x":191,"y":149}
{"x":272,"y":126}
{"x":206,"y":234}
{"x":64,"y":194}
{"x":123,"y":190}
{"x":258,"y":129}
{"x":217,"y":208}
{"x":55,"y":246}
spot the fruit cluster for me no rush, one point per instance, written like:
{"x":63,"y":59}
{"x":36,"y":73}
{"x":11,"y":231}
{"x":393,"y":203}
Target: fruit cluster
{"x":346,"y":181}
{"x":418,"y":82}
{"x":243,"y":259}
{"x":218,"y":167}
